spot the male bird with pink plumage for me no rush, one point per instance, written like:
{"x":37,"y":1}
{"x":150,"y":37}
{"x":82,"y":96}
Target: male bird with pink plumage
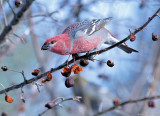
{"x":83,"y":37}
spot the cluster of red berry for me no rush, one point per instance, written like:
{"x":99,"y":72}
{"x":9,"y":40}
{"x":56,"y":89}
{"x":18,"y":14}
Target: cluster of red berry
{"x":66,"y":72}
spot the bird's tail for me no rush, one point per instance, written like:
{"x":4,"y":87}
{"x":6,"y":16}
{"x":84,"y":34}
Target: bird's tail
{"x":126,"y":48}
{"x":110,"y":39}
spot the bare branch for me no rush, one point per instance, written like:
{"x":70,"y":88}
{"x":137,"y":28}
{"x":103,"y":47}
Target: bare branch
{"x":58,"y":101}
{"x":42,"y":15}
{"x":80,"y":57}
{"x":26,"y":32}
{"x":11,"y":7}
{"x":127,"y":102}
{"x":15,"y":20}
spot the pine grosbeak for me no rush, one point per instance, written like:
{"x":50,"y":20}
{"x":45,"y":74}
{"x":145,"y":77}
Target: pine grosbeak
{"x":83,"y":37}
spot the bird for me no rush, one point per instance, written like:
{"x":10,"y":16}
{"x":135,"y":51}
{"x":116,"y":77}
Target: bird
{"x":83,"y":37}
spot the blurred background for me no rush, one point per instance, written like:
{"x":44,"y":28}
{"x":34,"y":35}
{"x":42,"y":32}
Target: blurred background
{"x":134,"y":75}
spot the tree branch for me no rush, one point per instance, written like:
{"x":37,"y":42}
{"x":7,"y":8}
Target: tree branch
{"x":15,"y":20}
{"x":58,"y":101}
{"x":78,"y":58}
{"x":127,"y":102}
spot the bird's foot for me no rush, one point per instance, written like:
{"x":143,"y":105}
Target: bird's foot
{"x":75,"y":56}
{"x":66,"y":62}
{"x":125,"y":44}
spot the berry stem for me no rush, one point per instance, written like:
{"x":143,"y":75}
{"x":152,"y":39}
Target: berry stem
{"x":15,"y":71}
{"x":148,"y":30}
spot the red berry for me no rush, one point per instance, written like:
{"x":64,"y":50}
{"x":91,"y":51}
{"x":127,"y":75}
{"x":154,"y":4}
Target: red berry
{"x":4,"y":68}
{"x":84,"y":62}
{"x":35,"y":72}
{"x":8,"y":98}
{"x":18,"y":3}
{"x":21,"y":108}
{"x":49,"y":76}
{"x":76,"y":69}
{"x":44,"y":80}
{"x":151,"y":104}
{"x":49,"y":105}
{"x":154,"y":37}
{"x":69,"y":82}
{"x":116,"y":101}
{"x":66,"y":72}
{"x":132,"y":37}
{"x":110,"y":63}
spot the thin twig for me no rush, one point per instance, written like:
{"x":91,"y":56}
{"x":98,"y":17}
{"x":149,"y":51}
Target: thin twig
{"x":80,"y":57}
{"x":127,"y":102}
{"x":38,"y":85}
{"x":22,"y":95}
{"x":58,"y":101}
{"x":42,"y":15}
{"x":11,"y":47}
{"x":11,"y":7}
{"x":23,"y":76}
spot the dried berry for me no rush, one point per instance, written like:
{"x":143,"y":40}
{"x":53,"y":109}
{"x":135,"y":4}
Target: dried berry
{"x":132,"y":37}
{"x":84,"y":62}
{"x":151,"y":104}
{"x":8,"y":98}
{"x":21,"y":107}
{"x":18,"y":3}
{"x":4,"y":68}
{"x":4,"y":114}
{"x":76,"y":69}
{"x":49,"y":105}
{"x":69,"y":82}
{"x":154,"y":37}
{"x":110,"y":63}
{"x":35,"y":72}
{"x":66,"y":72}
{"x":49,"y":76}
{"x":103,"y":76}
{"x":116,"y":101}
{"x":44,"y":80}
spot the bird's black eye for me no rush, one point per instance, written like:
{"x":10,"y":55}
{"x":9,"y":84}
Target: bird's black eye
{"x":52,"y":42}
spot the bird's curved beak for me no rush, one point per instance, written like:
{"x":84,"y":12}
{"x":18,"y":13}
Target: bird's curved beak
{"x":45,"y":47}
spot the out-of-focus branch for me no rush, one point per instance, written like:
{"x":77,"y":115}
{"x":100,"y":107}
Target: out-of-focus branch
{"x":42,"y":15}
{"x":4,"y":14}
{"x":77,"y":9}
{"x":11,"y":7}
{"x":11,"y":47}
{"x":154,"y":84}
{"x":156,"y":74}
{"x":36,"y":46}
{"x":80,"y":57}
{"x":127,"y":102}
{"x":49,"y":14}
{"x":15,"y":20}
{"x":58,"y":101}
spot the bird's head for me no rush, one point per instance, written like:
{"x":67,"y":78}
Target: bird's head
{"x":55,"y":44}
{"x":50,"y":43}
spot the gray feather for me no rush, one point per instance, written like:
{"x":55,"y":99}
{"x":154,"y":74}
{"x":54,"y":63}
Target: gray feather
{"x":127,"y":49}
{"x":88,"y":27}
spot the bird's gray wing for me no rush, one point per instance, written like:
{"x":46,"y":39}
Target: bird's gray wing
{"x":88,"y":27}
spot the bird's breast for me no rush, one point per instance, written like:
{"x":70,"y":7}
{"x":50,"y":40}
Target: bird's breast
{"x":82,"y":44}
